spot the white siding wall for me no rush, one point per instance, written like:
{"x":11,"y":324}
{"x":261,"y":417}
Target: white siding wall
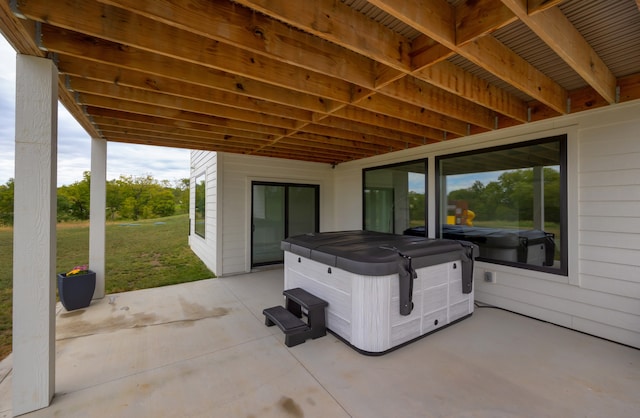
{"x":239,"y":171}
{"x":207,"y":248}
{"x":601,"y":296}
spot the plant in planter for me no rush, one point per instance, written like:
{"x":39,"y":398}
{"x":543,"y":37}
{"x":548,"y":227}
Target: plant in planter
{"x":76,"y":287}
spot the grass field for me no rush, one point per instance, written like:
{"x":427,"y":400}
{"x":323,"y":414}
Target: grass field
{"x":144,"y":254}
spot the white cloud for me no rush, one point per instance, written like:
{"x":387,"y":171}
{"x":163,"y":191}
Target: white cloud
{"x":7,"y":112}
{"x":74,"y":144}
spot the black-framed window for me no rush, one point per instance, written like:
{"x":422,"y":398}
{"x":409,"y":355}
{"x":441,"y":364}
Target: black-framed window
{"x":394,"y":197}
{"x":510,"y":200}
{"x":200,"y":214}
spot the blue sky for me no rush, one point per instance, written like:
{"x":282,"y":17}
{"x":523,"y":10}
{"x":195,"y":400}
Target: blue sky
{"x":74,"y":145}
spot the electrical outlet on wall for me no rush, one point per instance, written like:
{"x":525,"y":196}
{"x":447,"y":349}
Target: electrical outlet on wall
{"x":490,"y":276}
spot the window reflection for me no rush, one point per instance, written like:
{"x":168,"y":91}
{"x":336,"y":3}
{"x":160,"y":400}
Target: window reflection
{"x":200,"y":205}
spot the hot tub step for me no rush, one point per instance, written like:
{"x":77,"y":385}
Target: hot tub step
{"x":285,"y":320}
{"x":288,"y":319}
{"x":305,"y":299}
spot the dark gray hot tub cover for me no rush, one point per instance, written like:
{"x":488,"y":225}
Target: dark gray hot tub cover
{"x":377,"y":254}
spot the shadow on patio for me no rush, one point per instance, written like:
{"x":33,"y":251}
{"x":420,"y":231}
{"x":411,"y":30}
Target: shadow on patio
{"x":201,"y":349}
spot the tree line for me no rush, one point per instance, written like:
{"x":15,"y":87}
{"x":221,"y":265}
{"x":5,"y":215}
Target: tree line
{"x":128,"y":198}
{"x":510,"y":198}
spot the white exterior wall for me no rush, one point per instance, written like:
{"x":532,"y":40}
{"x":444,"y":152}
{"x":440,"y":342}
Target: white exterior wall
{"x":228,"y":204}
{"x":239,"y":172}
{"x":601,"y":295}
{"x":207,"y":248}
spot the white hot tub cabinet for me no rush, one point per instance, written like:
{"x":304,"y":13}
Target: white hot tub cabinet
{"x":359,"y":273}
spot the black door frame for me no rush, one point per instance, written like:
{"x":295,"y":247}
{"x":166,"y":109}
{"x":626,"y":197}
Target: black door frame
{"x":286,"y":186}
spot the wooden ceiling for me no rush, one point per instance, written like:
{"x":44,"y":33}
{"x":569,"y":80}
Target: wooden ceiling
{"x":326,"y":80}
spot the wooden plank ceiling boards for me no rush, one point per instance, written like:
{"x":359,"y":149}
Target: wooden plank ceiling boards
{"x":326,"y":80}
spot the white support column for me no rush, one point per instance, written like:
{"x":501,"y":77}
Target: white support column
{"x":98,"y":213}
{"x":34,"y":245}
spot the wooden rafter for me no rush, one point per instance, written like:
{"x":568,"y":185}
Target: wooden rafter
{"x":424,"y":50}
{"x":556,"y":31}
{"x":436,"y":19}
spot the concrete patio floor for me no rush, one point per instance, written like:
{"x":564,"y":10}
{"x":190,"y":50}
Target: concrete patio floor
{"x":201,"y":350}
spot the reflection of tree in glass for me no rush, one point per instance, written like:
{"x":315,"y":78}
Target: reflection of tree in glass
{"x":510,"y":197}
{"x":200,"y":205}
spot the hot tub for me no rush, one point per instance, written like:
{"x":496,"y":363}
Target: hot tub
{"x":383,"y":290}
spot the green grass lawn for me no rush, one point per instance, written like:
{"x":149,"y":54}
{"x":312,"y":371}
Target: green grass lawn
{"x":139,"y":255}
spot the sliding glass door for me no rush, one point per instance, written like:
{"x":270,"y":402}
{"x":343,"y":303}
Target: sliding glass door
{"x":280,"y":210}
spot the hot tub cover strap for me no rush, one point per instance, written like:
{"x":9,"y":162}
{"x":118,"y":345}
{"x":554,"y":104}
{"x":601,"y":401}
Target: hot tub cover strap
{"x":406,"y":275}
{"x":469,"y":251}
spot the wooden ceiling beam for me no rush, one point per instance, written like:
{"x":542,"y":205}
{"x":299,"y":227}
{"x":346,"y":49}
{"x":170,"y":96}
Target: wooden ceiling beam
{"x":476,"y":18}
{"x":436,"y":19}
{"x":352,"y":113}
{"x":142,"y":135}
{"x":214,"y":124}
{"x":301,"y":156}
{"x":129,"y":95}
{"x":337,"y":144}
{"x":138,"y":32}
{"x":178,"y":114}
{"x":394,"y":108}
{"x":490,"y":54}
{"x":426,"y":56}
{"x":123,"y":76}
{"x":305,"y":15}
{"x":200,"y":104}
{"x":158,"y":78}
{"x":201,"y":19}
{"x":163,"y":126}
{"x":535,"y":6}
{"x":373,"y":131}
{"x":221,"y":21}
{"x":552,"y":26}
{"x":433,"y":18}
{"x":452,"y":78}
{"x":353,"y":138}
{"x":221,"y":140}
{"x":319,"y":143}
{"x":338,"y":23}
{"x":342,"y":137}
{"x":423,"y":94}
{"x":242,"y":28}
{"x":160,"y":142}
{"x":296,"y":145}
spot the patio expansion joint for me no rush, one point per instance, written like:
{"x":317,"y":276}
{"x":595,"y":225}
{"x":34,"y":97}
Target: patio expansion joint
{"x":6,"y":367}
{"x":5,"y":375}
{"x":289,"y":351}
{"x":326,"y":389}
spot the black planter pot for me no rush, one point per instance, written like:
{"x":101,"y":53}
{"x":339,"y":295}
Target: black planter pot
{"x":76,"y":291}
